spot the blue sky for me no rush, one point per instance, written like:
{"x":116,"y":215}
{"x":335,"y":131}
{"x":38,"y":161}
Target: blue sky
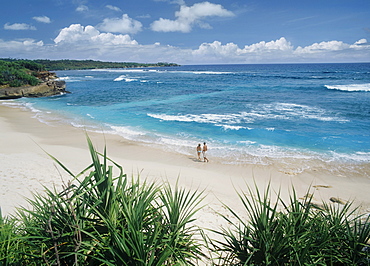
{"x":187,"y":32}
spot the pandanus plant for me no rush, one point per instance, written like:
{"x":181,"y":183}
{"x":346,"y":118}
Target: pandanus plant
{"x":102,"y":217}
{"x":293,"y":233}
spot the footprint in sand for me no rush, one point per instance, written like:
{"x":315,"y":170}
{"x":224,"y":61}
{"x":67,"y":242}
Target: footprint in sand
{"x":337,"y":200}
{"x":322,"y":186}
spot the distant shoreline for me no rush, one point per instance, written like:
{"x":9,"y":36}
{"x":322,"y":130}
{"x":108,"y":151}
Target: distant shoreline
{"x":67,"y":64}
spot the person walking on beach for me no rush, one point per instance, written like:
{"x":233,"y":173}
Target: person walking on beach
{"x":199,"y":150}
{"x":205,"y":149}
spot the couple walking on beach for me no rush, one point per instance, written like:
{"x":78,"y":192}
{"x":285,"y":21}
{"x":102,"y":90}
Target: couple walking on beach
{"x":204,"y":151}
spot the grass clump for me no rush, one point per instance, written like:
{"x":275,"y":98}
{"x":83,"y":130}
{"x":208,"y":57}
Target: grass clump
{"x":297,"y":233}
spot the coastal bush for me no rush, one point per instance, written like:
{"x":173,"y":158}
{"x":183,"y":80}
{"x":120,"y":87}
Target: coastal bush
{"x":297,"y":233}
{"x":104,"y":220}
{"x":20,"y":73}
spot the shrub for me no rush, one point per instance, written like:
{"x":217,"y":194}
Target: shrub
{"x":16,"y":74}
{"x":106,"y":220}
{"x":299,"y":234}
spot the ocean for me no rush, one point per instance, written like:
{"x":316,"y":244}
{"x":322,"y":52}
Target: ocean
{"x":293,"y":116}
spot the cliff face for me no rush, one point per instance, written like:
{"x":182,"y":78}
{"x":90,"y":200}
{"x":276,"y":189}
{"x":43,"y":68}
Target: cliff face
{"x":48,"y":88}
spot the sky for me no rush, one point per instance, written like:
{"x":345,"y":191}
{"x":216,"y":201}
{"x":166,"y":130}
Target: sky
{"x":187,"y":31}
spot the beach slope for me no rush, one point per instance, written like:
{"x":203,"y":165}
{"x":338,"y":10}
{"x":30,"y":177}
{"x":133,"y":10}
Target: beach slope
{"x":25,"y":168}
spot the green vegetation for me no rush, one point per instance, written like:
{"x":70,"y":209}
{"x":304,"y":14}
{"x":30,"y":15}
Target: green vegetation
{"x":298,"y":233}
{"x":19,"y":73}
{"x":91,"y":64}
{"x":104,"y":218}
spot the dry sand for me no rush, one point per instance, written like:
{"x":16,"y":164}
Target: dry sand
{"x":25,"y":168}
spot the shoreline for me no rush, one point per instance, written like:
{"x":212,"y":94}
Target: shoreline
{"x":25,"y":168}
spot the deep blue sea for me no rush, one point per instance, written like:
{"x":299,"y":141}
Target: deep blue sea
{"x":290,"y":114}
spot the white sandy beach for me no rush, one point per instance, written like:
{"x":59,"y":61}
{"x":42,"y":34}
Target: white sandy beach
{"x":25,"y":168}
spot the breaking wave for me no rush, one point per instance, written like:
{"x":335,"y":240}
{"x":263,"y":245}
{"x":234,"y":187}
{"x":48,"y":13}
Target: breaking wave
{"x":274,"y":111}
{"x":350,"y":87}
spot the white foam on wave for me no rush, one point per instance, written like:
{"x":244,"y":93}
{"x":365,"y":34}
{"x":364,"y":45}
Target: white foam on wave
{"x":247,"y":142}
{"x":64,"y":78}
{"x":357,"y":156}
{"x":230,"y":127}
{"x":123,"y":77}
{"x":274,"y":111}
{"x":287,"y":111}
{"x":21,"y":105}
{"x":77,"y":125}
{"x":210,"y":72}
{"x":350,"y":87}
{"x":204,"y":118}
{"x":122,"y":70}
{"x":126,"y":131}
{"x":68,"y":79}
{"x":10,"y":103}
{"x":130,"y":79}
{"x":120,"y":78}
{"x":180,"y":143}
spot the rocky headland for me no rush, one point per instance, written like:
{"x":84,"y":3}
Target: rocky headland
{"x":49,"y":86}
{"x":31,"y":78}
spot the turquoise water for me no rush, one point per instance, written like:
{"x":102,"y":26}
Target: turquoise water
{"x":261,"y":114}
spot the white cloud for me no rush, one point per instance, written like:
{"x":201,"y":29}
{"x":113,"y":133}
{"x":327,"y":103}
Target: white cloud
{"x":24,"y":44}
{"x":231,"y":52}
{"x":361,"y":42}
{"x":322,"y":46}
{"x":18,"y":26}
{"x":114,"y":8}
{"x":42,"y":19}
{"x":216,"y":48}
{"x":120,"y":25}
{"x":82,"y":8}
{"x":77,"y":34}
{"x":279,"y":45}
{"x":282,"y":51}
{"x":21,"y":48}
{"x":187,"y":17}
{"x":87,"y":42}
{"x":33,"y":43}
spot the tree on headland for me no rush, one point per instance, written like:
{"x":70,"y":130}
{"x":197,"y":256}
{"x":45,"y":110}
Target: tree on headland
{"x":19,"y":73}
